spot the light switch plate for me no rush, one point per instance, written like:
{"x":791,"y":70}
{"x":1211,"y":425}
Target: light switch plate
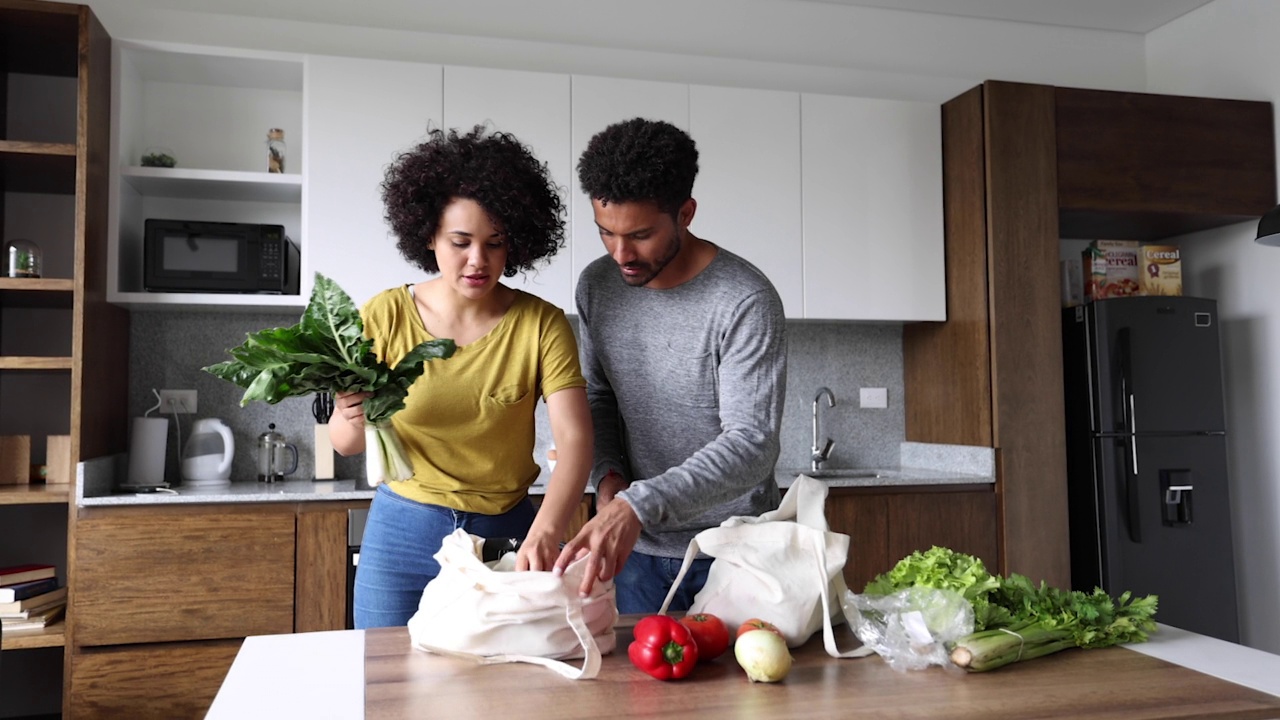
{"x":873,"y":397}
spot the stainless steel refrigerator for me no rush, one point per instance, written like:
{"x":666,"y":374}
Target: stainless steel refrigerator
{"x":1147,"y":457}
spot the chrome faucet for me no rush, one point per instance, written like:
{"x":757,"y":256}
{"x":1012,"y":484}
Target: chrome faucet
{"x":823,"y":452}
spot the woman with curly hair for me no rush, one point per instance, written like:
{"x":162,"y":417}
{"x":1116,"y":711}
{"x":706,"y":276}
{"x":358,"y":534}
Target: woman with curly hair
{"x":471,"y":208}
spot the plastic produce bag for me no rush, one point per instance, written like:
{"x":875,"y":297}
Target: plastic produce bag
{"x":914,"y":628}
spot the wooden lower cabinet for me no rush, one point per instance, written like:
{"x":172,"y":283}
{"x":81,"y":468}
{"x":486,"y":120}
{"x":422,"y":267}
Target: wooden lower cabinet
{"x":165,"y":594}
{"x":884,"y":527}
{"x":166,"y":681}
{"x":175,"y":573}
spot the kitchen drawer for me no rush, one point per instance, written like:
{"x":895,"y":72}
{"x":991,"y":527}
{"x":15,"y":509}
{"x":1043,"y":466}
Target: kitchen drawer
{"x":176,"y":680}
{"x":153,"y":574}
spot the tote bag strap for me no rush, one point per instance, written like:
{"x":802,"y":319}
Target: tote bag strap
{"x":689,"y":555}
{"x":573,"y":614}
{"x":828,"y":632}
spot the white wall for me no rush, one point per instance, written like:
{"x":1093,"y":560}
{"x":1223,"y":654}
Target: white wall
{"x":1228,"y":49}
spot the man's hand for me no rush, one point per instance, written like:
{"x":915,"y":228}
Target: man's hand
{"x":606,"y":541}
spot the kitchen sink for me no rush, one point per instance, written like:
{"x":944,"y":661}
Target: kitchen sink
{"x":843,"y":473}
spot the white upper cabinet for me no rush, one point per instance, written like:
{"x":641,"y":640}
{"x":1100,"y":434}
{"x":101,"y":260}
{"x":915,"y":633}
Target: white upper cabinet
{"x":597,"y":103}
{"x":872,"y":196}
{"x":535,"y":108}
{"x":361,"y":114}
{"x":209,"y":110}
{"x":838,"y":200}
{"x":748,"y":186}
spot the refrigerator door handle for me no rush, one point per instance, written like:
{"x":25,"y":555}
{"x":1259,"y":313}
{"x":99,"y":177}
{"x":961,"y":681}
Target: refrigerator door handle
{"x":1125,"y":352}
{"x":1131,"y":501}
{"x":1133,"y":437}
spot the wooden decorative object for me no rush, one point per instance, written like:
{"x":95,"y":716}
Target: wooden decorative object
{"x":15,"y":459}
{"x":58,"y":460}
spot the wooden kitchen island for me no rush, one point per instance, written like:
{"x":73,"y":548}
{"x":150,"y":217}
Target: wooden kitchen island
{"x":376,"y":674}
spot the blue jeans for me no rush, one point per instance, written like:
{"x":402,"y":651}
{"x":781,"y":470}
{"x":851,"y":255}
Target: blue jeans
{"x":645,"y":579}
{"x":396,"y":555}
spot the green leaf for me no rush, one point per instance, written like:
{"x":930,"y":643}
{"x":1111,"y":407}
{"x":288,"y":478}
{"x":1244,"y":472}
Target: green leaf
{"x":325,"y":352}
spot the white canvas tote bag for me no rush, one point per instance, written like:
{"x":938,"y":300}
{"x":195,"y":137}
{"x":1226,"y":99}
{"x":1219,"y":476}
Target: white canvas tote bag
{"x":495,"y":615}
{"x":783,"y":566}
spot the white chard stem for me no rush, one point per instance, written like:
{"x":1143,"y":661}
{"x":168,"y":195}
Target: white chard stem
{"x":384,"y":458}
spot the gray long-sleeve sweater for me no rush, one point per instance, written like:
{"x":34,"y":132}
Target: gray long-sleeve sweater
{"x":686,"y":387}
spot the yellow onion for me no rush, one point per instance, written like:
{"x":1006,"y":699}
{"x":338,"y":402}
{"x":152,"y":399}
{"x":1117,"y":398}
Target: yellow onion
{"x":763,"y":654}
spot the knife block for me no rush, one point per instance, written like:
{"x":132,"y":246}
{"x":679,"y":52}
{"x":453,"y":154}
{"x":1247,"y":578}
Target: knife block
{"x":324,"y":453}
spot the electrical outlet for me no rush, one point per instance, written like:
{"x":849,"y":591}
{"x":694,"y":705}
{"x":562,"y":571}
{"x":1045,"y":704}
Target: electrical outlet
{"x":181,"y":401}
{"x":873,"y":398}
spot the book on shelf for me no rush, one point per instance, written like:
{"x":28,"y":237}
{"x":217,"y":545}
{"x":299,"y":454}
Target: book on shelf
{"x":37,"y":621}
{"x":30,"y":588}
{"x":34,"y":602}
{"x":28,"y":614}
{"x":22,"y":573}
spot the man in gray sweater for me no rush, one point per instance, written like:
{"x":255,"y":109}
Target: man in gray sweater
{"x":684,"y":351}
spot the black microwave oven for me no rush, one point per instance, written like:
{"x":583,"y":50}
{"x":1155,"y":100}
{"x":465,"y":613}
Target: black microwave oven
{"x":192,"y":256}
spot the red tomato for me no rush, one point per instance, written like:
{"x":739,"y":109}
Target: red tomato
{"x":709,"y":632}
{"x":758,"y":624}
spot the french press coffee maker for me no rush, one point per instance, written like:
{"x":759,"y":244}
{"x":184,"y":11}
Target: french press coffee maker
{"x":272,"y":450}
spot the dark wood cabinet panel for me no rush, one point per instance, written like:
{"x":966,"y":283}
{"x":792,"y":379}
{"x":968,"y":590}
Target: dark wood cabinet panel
{"x":962,"y":521}
{"x":172,"y":680}
{"x":1145,"y":166}
{"x":884,"y":527}
{"x":1026,"y":336}
{"x":947,"y":366}
{"x":864,"y":518}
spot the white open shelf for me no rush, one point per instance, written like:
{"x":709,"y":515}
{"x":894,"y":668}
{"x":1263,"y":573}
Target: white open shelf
{"x":186,"y":183}
{"x":210,"y":108}
{"x":209,"y":302}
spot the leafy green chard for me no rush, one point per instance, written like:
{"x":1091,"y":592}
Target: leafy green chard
{"x":1016,"y":620}
{"x":328,"y":352}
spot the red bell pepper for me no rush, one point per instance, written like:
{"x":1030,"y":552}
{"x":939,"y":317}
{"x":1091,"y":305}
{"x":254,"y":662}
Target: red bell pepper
{"x":663,"y":648}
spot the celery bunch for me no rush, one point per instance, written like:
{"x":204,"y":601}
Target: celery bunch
{"x":1016,"y":620}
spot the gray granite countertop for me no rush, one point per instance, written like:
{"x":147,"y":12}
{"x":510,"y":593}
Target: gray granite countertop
{"x":921,"y":464}
{"x":240,"y":492}
{"x":885,"y":477}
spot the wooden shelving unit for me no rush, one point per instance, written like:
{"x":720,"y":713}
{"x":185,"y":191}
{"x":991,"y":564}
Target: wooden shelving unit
{"x":65,"y":355}
{"x":34,"y":494}
{"x":52,"y":636}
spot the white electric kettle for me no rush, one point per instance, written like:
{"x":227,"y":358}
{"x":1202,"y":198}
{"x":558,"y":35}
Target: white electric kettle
{"x":207,"y":457}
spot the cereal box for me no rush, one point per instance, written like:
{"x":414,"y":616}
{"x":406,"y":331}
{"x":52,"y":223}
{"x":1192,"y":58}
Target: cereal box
{"x":1161,"y":270}
{"x":1110,"y":269}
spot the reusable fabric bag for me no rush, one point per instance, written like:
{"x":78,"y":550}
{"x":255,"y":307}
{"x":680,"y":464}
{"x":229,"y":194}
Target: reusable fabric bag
{"x":493,"y":615}
{"x":784,"y":566}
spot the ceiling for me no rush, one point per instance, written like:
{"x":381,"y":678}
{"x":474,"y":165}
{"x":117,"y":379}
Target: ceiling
{"x":529,"y":17}
{"x":1135,"y":16}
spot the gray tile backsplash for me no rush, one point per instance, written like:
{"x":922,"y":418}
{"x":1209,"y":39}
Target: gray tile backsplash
{"x":167,"y":350}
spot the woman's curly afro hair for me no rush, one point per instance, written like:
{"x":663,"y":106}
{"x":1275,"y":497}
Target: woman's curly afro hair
{"x":640,"y":160}
{"x":494,"y":169}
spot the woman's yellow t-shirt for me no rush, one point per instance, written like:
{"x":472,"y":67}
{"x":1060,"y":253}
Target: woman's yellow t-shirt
{"x":468,"y":422}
